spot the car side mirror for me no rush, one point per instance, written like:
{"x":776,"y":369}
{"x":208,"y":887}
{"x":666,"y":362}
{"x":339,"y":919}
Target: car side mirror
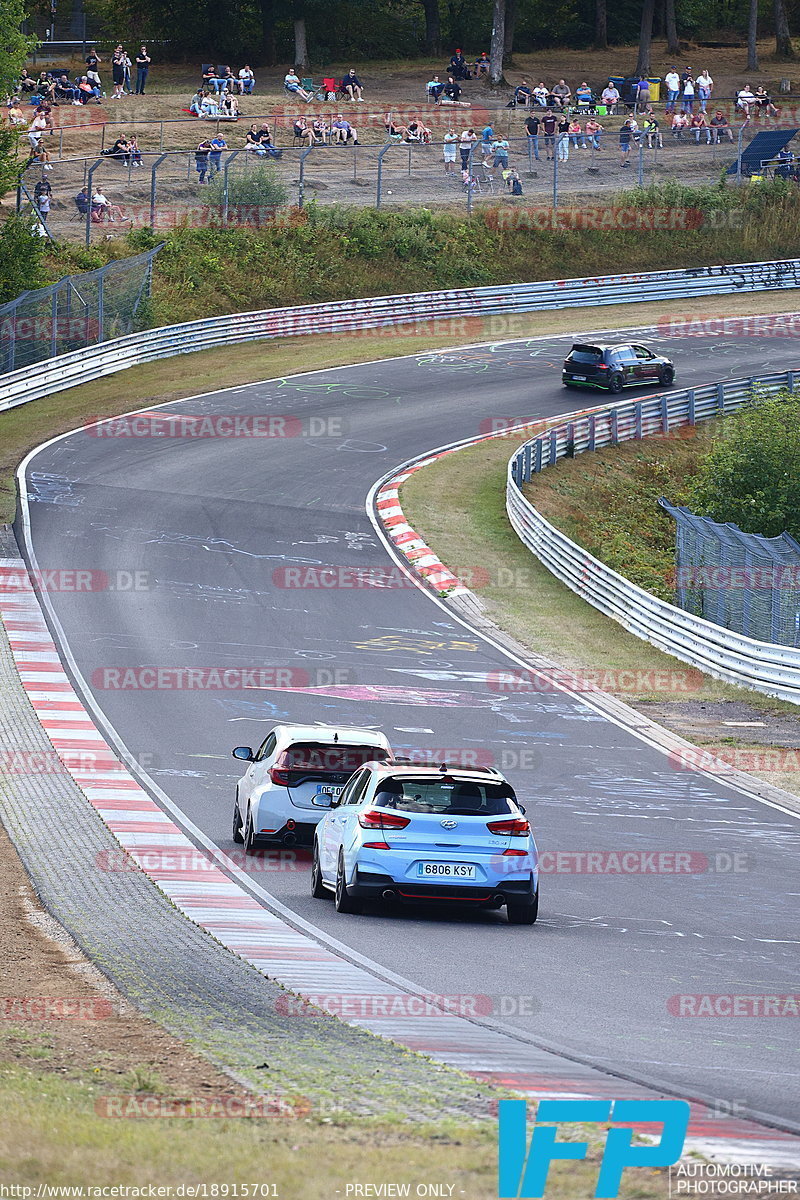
{"x":244,"y":752}
{"x":322,"y":800}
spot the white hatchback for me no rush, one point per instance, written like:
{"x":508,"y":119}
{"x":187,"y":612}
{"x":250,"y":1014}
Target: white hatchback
{"x":292,"y":766}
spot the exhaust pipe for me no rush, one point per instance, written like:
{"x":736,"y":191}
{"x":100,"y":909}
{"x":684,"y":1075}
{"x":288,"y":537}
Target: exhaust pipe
{"x":388,"y":894}
{"x":499,"y":898}
{"x":289,"y":839}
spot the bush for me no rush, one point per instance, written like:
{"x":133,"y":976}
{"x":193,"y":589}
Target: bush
{"x":751,"y":477}
{"x":21,"y":254}
{"x":255,"y":186}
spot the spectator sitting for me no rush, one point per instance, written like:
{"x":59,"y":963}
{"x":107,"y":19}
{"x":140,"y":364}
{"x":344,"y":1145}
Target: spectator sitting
{"x":561,"y":94}
{"x":783,"y":164}
{"x":229,"y":106}
{"x":102,"y":209}
{"x":38,"y":129}
{"x":292,"y":85}
{"x":321,"y":130}
{"x":209,"y":73}
{"x":482,"y":64}
{"x":652,"y":131}
{"x":40,"y":158}
{"x":82,"y":202}
{"x":611,"y":97}
{"x":576,"y":135}
{"x":393,"y":130}
{"x":121,"y":150}
{"x":247,"y":81}
{"x":135,"y":152}
{"x":541,"y":95}
{"x":219,"y":80}
{"x":15,"y":113}
{"x":764,"y":102}
{"x":698,"y":124}
{"x":458,"y":66}
{"x":434,"y":89}
{"x":417,"y":132}
{"x":45,"y":87}
{"x":352,"y":85}
{"x":746,"y":99}
{"x":452,"y":89}
{"x":265,"y":140}
{"x":196,"y":102}
{"x":209,"y":106}
{"x":26,"y":84}
{"x":88,"y":90}
{"x":583,"y":95}
{"x":253,"y":143}
{"x":303,"y":131}
{"x":523,"y":94}
{"x":342,"y":131}
{"x":65,"y":91}
{"x":680,"y":122}
{"x":720,"y":127}
{"x":592,"y":131}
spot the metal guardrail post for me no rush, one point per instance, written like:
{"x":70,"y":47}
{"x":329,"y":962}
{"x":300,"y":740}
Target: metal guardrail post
{"x":155,"y":167}
{"x":640,"y":179}
{"x":381,"y":153}
{"x":101,"y":309}
{"x":225,"y":190}
{"x":302,"y":175}
{"x":555,"y":174}
{"x":89,"y":183}
{"x":739,"y":154}
{"x":470,"y":189}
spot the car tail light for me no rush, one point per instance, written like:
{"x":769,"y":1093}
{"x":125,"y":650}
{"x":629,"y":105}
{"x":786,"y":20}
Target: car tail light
{"x":377,"y":846}
{"x":279,"y":776}
{"x":516,"y":826}
{"x":515,"y":853}
{"x":374,"y":818}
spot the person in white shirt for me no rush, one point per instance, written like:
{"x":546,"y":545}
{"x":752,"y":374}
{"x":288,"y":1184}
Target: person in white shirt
{"x":745,"y":100}
{"x":672,"y":82}
{"x":540,"y":95}
{"x":705,"y":86}
{"x":247,"y":80}
{"x":449,"y":151}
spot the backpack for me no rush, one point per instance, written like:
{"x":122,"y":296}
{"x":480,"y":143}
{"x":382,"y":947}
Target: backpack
{"x":516,"y":188}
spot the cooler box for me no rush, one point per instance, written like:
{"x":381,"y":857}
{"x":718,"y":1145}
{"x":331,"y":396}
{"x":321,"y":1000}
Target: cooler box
{"x":602,"y":111}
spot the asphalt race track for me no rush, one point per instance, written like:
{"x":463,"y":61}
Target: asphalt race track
{"x":214,"y":522}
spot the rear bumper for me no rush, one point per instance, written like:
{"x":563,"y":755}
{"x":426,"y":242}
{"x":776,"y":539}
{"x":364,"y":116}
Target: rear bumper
{"x":302,"y":833}
{"x":368,"y":885}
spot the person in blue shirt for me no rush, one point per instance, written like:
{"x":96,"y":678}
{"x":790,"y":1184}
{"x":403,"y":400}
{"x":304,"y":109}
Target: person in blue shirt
{"x":218,"y":144}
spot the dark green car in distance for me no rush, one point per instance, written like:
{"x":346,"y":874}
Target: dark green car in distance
{"x":613,"y":367}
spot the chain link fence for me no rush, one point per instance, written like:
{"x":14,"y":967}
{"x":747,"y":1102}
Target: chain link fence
{"x":741,"y":581}
{"x":76,"y":312}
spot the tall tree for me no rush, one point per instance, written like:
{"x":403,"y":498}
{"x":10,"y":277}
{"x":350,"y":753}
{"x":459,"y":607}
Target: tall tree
{"x":510,"y":27}
{"x":433,"y":27}
{"x":14,"y":50}
{"x":600,"y":25}
{"x":752,"y":37}
{"x":671,"y":28}
{"x":783,"y":39}
{"x":300,"y":44}
{"x":268,"y":51}
{"x":498,"y":42}
{"x":646,"y":37}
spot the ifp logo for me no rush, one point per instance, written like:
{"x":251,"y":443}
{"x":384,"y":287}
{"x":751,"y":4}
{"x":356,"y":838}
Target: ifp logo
{"x":523,"y":1170}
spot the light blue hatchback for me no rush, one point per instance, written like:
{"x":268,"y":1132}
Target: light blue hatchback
{"x":422,"y":833}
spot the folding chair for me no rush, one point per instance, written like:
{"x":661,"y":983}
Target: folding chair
{"x":317,"y":90}
{"x":331,"y":89}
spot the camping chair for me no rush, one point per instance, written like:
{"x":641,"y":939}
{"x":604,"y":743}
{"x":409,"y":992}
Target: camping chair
{"x":317,"y":90}
{"x":331,"y":89}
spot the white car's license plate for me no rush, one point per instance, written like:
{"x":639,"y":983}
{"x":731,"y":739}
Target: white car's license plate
{"x":582,"y":378}
{"x":330,"y":789}
{"x":439,"y":870}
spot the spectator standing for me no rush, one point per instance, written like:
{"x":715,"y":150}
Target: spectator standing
{"x":705,"y":86}
{"x":466,"y":142}
{"x":449,"y":150}
{"x":118,"y":72}
{"x":652,"y":131}
{"x":93,"y":61}
{"x":201,"y":157}
{"x":487,"y":137}
{"x":247,"y":80}
{"x":672,"y":82}
{"x":642,"y":94}
{"x":218,"y":144}
{"x":549,"y":125}
{"x":563,"y":138}
{"x":610,"y":97}
{"x":689,"y":90}
{"x":500,"y":151}
{"x":143,"y":61}
{"x":532,"y":125}
{"x":625,"y":138}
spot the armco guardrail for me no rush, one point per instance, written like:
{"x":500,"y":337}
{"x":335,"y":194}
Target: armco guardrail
{"x":69,"y":370}
{"x":768,"y":668}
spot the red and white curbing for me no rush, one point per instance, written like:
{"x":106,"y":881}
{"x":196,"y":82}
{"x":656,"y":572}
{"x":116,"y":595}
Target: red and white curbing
{"x":221,"y":906}
{"x":419,"y":555}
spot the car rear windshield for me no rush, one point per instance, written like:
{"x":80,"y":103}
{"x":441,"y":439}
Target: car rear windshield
{"x":585,"y":354}
{"x":321,"y":756}
{"x":446,"y":796}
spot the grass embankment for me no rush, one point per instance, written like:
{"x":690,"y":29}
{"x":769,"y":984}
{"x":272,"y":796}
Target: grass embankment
{"x":331,"y":254}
